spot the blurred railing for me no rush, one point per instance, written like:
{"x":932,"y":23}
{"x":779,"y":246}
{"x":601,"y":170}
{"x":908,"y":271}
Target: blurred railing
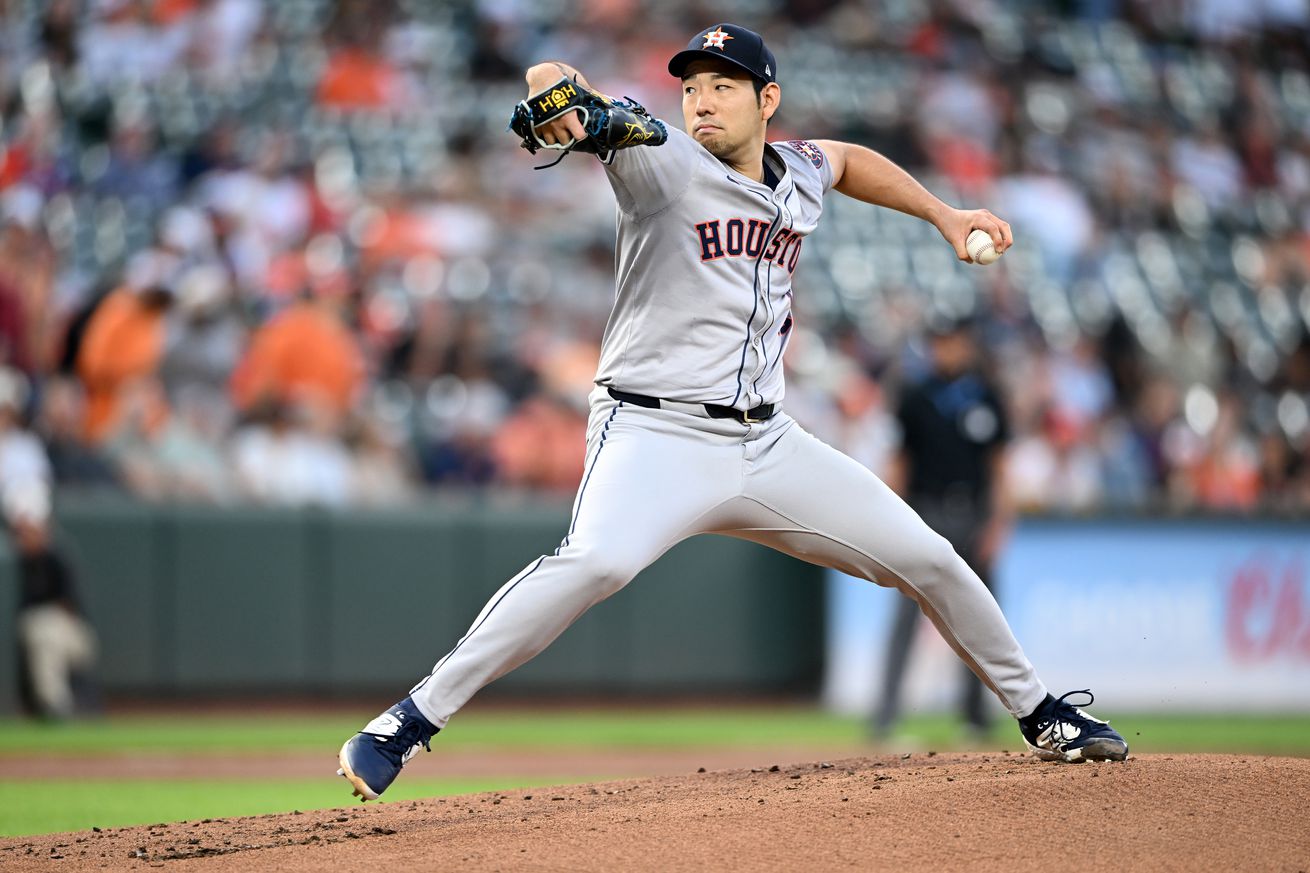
{"x":192,"y":600}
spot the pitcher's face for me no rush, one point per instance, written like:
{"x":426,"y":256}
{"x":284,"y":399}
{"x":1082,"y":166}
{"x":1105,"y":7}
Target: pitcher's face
{"x":720,"y":108}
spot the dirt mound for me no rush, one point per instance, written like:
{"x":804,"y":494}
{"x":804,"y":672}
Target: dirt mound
{"x":922,"y":812}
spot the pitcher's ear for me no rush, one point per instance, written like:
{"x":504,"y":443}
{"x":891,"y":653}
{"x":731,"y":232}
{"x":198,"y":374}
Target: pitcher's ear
{"x":770,"y":100}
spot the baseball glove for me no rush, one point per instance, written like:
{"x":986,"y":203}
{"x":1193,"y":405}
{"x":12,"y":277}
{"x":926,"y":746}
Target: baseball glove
{"x":610,"y":124}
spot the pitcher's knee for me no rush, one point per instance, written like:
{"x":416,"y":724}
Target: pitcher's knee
{"x":605,"y":570}
{"x":936,"y":563}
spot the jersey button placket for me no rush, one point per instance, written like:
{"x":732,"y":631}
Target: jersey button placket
{"x":757,"y":340}
{"x":758,"y":347}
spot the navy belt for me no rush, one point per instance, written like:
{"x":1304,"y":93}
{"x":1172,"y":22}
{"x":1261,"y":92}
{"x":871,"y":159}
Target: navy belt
{"x":763,"y":412}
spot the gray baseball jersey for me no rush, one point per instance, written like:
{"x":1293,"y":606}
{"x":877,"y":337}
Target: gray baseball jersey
{"x":705,"y":263}
{"x":702,"y":316}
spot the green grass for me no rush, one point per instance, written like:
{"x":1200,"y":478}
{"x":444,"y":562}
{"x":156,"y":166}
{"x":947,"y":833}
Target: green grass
{"x":1235,"y":734}
{"x":641,"y":728}
{"x":225,"y":734}
{"x":57,"y":805}
{"x":1229,"y":734}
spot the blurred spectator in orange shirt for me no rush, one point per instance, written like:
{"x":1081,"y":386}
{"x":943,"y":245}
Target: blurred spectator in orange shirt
{"x":356,"y":79}
{"x":307,"y":351}
{"x":539,"y":447}
{"x":357,"y":76}
{"x":124,"y":343}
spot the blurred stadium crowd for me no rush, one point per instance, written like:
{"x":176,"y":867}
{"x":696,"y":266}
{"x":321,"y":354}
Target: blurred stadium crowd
{"x":285,"y":251}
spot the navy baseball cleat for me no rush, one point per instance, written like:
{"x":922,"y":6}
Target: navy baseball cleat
{"x":372,"y":759}
{"x":1060,"y":731}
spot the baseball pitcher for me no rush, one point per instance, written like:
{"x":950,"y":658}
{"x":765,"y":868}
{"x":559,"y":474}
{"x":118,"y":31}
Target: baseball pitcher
{"x":687,"y":432}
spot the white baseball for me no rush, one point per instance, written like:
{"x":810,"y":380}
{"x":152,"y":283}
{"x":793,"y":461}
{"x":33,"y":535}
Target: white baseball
{"x":980,"y":247}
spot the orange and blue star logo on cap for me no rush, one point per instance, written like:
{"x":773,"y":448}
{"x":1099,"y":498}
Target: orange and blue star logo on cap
{"x":715,"y":38}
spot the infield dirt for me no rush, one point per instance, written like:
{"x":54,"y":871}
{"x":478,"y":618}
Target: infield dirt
{"x":921,"y":812}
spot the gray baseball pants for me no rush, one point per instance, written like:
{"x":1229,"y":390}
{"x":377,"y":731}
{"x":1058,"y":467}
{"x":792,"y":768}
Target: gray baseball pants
{"x":655,"y":477}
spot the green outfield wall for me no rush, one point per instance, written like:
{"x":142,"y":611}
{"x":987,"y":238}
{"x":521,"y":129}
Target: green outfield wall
{"x":207,"y":600}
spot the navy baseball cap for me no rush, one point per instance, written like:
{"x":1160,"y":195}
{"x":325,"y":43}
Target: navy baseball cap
{"x":732,"y":43}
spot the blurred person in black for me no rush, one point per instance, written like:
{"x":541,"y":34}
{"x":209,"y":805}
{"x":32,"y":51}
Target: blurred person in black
{"x":56,"y":644}
{"x":950,"y":470}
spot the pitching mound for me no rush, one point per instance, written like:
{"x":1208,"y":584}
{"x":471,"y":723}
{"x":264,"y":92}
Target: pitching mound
{"x":924,"y":812}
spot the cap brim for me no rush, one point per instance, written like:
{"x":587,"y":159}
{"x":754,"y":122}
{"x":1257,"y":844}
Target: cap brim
{"x":679,"y":62}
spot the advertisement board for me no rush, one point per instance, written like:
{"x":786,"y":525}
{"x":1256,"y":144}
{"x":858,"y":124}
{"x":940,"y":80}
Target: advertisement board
{"x":1160,"y":615}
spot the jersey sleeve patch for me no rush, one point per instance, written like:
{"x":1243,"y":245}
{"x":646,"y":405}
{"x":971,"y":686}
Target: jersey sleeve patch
{"x":809,"y":150}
